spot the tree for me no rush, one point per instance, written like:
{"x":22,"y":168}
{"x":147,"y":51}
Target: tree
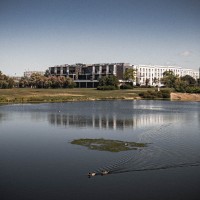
{"x":180,"y":85}
{"x":61,"y":81}
{"x":108,"y":82}
{"x":147,"y":82}
{"x":130,"y":75}
{"x":6,"y":81}
{"x":47,"y":82}
{"x":198,"y":81}
{"x":23,"y":82}
{"x":169,"y":79}
{"x":36,"y":80}
{"x":69,"y":83}
{"x":155,"y":81}
{"x":189,"y":79}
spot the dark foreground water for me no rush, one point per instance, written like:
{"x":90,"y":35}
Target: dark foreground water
{"x":37,"y":161}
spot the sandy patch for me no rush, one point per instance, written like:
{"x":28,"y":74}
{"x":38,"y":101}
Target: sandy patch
{"x":185,"y":97}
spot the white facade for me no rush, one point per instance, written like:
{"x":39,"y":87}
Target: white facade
{"x":29,"y":73}
{"x":154,"y":73}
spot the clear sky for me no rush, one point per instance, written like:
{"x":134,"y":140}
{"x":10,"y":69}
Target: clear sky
{"x":37,"y":34}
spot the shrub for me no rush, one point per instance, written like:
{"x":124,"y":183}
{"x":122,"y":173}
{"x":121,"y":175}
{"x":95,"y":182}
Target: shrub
{"x":165,"y":93}
{"x":193,"y":89}
{"x":109,"y":87}
{"x":126,"y":86}
{"x":71,"y":85}
{"x":155,"y":94}
{"x":109,"y":81}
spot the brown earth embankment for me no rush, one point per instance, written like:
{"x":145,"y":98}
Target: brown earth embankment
{"x":184,"y":97}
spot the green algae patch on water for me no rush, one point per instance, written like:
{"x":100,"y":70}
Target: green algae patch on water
{"x":108,"y":145}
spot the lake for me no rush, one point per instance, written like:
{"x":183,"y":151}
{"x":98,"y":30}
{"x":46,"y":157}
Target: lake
{"x":38,"y":161}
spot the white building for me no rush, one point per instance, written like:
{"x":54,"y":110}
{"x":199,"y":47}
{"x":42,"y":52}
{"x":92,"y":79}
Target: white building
{"x":154,"y":73}
{"x":29,"y":73}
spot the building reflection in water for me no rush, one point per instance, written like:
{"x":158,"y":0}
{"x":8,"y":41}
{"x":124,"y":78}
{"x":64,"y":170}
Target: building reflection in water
{"x":3,"y":117}
{"x":107,"y":122}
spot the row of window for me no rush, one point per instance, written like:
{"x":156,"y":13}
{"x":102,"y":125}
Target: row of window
{"x":157,"y":70}
{"x":87,"y":70}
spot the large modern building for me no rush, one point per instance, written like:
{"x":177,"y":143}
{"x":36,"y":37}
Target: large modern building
{"x":87,"y":75}
{"x":154,"y":73}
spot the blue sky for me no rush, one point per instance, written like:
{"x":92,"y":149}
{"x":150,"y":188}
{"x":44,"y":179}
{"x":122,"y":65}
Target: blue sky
{"x":37,"y":34}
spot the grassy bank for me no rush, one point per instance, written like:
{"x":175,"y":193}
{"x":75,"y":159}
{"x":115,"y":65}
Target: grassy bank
{"x":28,"y":95}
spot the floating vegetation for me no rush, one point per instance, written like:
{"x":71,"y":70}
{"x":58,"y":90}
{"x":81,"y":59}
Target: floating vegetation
{"x":108,"y":145}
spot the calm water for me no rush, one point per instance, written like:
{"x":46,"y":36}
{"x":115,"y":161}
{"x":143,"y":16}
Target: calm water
{"x":37,"y":161}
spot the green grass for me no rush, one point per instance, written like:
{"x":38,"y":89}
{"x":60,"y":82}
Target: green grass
{"x":29,"y":95}
{"x":108,"y":145}
{"x":25,"y":95}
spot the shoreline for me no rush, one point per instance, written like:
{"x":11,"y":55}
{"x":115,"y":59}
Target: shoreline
{"x":76,"y":100}
{"x":27,"y":95}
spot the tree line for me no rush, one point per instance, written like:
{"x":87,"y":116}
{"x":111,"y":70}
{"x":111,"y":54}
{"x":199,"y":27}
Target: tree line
{"x":43,"y":81}
{"x":6,"y":81}
{"x":169,"y":80}
{"x":181,"y":84}
{"x":36,"y":81}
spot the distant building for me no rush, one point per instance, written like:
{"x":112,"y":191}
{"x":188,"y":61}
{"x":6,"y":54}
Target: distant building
{"x":16,"y":78}
{"x":154,"y":73}
{"x":87,"y":75}
{"x":29,"y":73}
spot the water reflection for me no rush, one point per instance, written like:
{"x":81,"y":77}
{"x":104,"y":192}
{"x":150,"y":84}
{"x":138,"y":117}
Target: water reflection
{"x":3,"y":117}
{"x":114,"y":122}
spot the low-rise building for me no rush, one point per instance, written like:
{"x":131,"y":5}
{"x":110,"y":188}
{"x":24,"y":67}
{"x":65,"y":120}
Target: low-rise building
{"x":29,"y":73}
{"x":154,"y":73}
{"x":87,"y":75}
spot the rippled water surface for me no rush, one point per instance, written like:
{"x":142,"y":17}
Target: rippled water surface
{"x":38,"y":162}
